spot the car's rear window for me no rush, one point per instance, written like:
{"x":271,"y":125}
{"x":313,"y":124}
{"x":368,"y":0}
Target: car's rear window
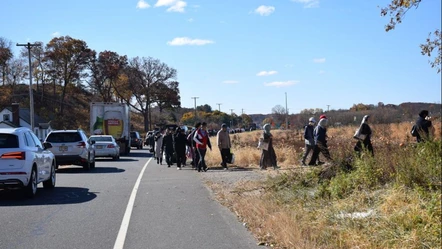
{"x":133,"y":135}
{"x":64,"y":137}
{"x":8,"y":141}
{"x":101,"y":139}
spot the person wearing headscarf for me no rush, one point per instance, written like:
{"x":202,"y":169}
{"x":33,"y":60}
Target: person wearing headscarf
{"x":424,"y":126}
{"x":309,"y":139}
{"x":158,"y":147}
{"x":268,"y":157}
{"x":364,"y":138}
{"x":320,"y":134}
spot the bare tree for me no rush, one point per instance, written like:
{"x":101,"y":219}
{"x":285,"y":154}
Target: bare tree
{"x":279,"y":114}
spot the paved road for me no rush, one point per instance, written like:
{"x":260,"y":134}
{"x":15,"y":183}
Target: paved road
{"x":131,"y":203}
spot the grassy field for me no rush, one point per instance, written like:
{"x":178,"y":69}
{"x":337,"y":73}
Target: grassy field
{"x":392,"y":200}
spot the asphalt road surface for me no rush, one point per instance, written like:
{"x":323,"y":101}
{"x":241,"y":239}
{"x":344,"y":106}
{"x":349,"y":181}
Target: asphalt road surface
{"x":132,"y":203}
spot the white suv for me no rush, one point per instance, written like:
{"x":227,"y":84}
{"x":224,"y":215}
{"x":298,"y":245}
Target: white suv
{"x":25,"y":161}
{"x":72,"y":147}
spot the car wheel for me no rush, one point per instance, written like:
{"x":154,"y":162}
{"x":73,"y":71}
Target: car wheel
{"x":50,"y":183}
{"x":87,"y":164}
{"x":31,"y":189}
{"x":93,"y":163}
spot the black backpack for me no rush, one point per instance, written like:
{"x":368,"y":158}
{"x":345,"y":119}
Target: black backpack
{"x":414,"y":130}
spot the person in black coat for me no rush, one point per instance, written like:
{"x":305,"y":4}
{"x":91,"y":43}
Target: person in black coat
{"x":180,"y":143}
{"x":364,"y":137}
{"x":168,"y":147}
{"x":424,"y":126}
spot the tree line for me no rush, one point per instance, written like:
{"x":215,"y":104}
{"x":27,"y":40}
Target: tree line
{"x":65,"y":65}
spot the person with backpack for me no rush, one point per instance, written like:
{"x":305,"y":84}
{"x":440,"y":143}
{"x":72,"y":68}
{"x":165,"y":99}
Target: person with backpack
{"x":202,"y":142}
{"x":363,"y":135}
{"x":309,"y":139}
{"x":423,"y":128}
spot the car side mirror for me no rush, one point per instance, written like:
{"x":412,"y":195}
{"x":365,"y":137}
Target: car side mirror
{"x":47,"y":145}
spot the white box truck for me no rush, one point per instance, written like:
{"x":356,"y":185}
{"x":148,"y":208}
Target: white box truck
{"x":111,"y":118}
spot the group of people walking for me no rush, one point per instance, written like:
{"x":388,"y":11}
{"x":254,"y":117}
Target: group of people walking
{"x":315,"y":136}
{"x":177,"y":146}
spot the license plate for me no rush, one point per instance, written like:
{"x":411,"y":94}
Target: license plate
{"x":63,"y":148}
{"x":99,"y":146}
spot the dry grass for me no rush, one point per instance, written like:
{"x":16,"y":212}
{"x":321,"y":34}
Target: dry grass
{"x":287,"y":211}
{"x":289,"y":145}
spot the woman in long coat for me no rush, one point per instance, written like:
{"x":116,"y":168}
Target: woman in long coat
{"x":268,"y":157}
{"x":159,"y":147}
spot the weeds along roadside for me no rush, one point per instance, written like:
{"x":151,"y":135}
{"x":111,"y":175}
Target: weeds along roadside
{"x":390,"y":201}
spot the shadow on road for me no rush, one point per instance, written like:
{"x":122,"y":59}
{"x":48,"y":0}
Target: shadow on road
{"x":122,"y":159}
{"x":56,"y":196}
{"x":139,"y":153}
{"x":221,"y":169}
{"x":96,"y":170}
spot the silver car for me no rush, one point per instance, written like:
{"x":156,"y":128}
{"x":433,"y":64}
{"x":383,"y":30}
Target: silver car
{"x":105,"y":146}
{"x":25,"y":161}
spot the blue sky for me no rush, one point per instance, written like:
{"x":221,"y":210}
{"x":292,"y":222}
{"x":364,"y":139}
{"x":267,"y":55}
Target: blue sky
{"x":246,"y":54}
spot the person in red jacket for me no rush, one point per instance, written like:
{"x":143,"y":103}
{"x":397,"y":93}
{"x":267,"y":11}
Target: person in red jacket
{"x":202,"y":141}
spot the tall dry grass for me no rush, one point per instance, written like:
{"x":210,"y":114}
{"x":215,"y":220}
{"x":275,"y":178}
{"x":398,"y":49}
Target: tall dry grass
{"x":289,"y":144}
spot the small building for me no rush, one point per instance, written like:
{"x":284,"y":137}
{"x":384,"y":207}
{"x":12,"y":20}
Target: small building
{"x":14,"y":116}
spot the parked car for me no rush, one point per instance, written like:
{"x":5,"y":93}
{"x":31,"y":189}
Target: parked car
{"x":105,"y":146}
{"x":136,"y":140}
{"x":72,"y":147}
{"x":25,"y":161}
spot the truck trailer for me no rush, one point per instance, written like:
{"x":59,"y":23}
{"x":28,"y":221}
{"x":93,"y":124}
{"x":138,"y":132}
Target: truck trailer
{"x":111,"y":118}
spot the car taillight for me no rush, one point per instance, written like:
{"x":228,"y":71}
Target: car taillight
{"x":110,"y":146}
{"x":20,"y":155}
{"x":82,"y":145}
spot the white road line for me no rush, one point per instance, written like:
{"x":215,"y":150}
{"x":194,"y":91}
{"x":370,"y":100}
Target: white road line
{"x":121,"y":237}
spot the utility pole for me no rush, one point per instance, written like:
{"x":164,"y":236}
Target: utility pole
{"x":286,"y":113}
{"x":231,"y":116}
{"x":219,"y":106}
{"x":328,"y":108}
{"x":194,"y":98}
{"x":242,"y":111}
{"x":31,"y":94}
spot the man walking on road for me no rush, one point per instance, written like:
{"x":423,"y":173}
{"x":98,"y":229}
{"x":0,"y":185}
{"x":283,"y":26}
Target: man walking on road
{"x":223,"y":141}
{"x":168,"y":147}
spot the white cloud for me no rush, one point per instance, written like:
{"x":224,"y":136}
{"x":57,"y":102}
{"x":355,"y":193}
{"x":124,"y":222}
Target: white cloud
{"x":174,"y":5}
{"x":321,"y":72}
{"x":308,"y":3}
{"x":282,"y":83}
{"x":319,"y":60}
{"x":266,"y":73}
{"x":55,"y":34}
{"x":264,"y":10}
{"x":142,"y":5}
{"x":190,"y":20}
{"x":181,"y":41}
{"x":230,"y":81}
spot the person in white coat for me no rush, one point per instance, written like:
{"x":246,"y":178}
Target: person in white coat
{"x":159,"y":147}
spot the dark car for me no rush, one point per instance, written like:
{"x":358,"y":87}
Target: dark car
{"x":136,"y":140}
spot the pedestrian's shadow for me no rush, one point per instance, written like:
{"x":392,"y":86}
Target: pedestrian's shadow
{"x":232,"y":168}
{"x":96,"y":170}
